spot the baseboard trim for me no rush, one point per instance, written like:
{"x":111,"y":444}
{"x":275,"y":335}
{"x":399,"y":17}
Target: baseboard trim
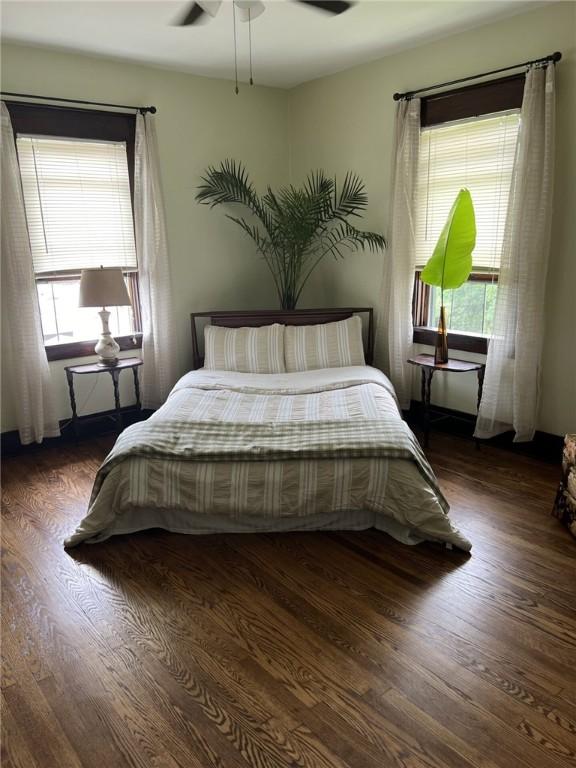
{"x":544,"y":446}
{"x":89,"y":426}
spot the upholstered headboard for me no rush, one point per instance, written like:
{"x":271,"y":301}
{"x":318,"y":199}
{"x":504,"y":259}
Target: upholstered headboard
{"x":251,"y":318}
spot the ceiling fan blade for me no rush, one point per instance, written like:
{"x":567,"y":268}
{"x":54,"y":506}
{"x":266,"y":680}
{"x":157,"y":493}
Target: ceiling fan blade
{"x":210,"y":6}
{"x":192,"y":15}
{"x":332,"y":6}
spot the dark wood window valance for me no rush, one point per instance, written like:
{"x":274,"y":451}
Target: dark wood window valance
{"x":473,"y":100}
{"x":68,"y":122}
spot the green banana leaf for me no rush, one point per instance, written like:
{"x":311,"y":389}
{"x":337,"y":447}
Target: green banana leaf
{"x":451,"y":263}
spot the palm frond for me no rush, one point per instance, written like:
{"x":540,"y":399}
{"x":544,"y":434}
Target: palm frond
{"x":230,"y":184}
{"x":262,"y":242}
{"x":319,"y":186}
{"x":336,"y":241}
{"x":352,"y":200}
{"x":227,"y":184}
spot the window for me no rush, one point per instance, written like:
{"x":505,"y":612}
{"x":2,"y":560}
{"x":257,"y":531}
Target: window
{"x":76,"y":168}
{"x":63,"y":321}
{"x":475,"y":151}
{"x":79,"y":213}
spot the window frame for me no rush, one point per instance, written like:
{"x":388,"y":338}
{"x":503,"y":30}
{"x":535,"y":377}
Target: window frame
{"x":77,"y":123}
{"x":425,"y":334}
{"x":500,"y":95}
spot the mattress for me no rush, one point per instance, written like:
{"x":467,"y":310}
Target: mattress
{"x":239,"y":452}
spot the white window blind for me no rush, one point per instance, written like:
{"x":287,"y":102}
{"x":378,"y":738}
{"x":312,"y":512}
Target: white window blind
{"x":478,"y":154}
{"x":78,"y":205}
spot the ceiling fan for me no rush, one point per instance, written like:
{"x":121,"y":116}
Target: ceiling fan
{"x":248,"y":10}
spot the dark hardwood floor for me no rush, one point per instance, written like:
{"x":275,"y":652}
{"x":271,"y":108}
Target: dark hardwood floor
{"x":312,"y":650}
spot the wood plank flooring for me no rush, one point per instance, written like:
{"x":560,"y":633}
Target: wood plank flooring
{"x":343,"y":650}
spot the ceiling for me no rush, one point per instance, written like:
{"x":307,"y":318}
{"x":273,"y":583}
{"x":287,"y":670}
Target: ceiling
{"x":292,"y":43}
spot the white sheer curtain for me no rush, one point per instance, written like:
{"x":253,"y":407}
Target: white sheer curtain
{"x":159,"y":349}
{"x":399,"y":266}
{"x":26,"y":368}
{"x":511,"y":385}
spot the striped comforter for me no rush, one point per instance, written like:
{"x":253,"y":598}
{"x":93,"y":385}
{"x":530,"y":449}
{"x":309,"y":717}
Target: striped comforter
{"x":270,"y":446}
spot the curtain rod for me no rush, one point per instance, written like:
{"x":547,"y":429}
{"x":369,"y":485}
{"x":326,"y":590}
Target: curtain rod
{"x":409,"y":94}
{"x":142,"y":110}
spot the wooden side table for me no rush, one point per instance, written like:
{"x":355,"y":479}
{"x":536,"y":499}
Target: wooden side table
{"x":123,"y":363}
{"x":428,"y":368}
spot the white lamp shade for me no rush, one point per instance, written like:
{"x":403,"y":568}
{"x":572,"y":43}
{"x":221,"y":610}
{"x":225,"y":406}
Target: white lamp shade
{"x":103,"y":287}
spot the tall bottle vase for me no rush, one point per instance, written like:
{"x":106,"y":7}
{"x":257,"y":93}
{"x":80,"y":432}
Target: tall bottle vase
{"x":441,"y":347}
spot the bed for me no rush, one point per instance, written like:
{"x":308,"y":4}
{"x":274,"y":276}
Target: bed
{"x":289,"y":449}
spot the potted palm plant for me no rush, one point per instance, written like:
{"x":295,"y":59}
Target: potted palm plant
{"x":451,"y":262}
{"x":293,"y":228}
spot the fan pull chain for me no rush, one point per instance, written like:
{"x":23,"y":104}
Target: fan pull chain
{"x":250,"y":43}
{"x":235,"y":47}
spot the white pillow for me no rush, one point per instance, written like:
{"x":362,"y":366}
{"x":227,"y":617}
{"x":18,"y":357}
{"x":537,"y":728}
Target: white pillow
{"x":327,"y":345}
{"x":246,"y":350}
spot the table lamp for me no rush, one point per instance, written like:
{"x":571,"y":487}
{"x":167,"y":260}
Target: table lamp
{"x":104,"y":287}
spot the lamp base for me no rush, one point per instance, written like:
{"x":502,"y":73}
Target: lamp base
{"x":108,"y":363}
{"x":106,"y":347}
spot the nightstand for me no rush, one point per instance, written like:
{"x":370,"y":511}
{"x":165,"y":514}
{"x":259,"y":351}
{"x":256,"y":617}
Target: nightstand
{"x":124,"y":363}
{"x":428,"y":368}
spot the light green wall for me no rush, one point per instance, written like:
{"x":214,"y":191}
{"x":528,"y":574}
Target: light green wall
{"x":340,"y":122}
{"x":346,"y":121}
{"x":199,"y":121}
